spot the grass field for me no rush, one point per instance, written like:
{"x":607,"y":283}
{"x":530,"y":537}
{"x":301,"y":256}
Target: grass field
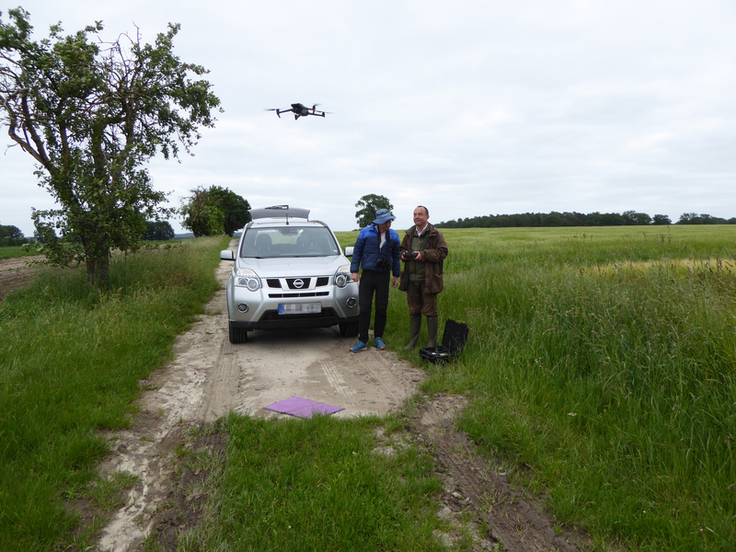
{"x":13,"y":251}
{"x":600,"y":371}
{"x":603,"y":360}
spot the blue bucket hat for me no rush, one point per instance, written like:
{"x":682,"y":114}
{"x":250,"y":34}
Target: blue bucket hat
{"x":383,"y":216}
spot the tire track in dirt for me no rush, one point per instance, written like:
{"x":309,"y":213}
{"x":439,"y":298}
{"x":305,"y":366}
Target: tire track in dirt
{"x":515,"y":519}
{"x":223,"y":387}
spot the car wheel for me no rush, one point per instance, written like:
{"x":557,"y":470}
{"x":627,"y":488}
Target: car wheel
{"x":237,"y":335}
{"x":348,"y":329}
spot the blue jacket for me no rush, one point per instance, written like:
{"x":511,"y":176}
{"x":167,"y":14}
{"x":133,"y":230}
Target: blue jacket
{"x":366,"y":250}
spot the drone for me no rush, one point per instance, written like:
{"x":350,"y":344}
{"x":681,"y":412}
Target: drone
{"x":299,"y":110}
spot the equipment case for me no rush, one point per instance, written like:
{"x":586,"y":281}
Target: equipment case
{"x":453,"y":340}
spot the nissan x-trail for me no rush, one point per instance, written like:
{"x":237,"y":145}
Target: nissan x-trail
{"x":289,"y":272}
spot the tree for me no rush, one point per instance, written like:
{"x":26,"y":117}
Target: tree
{"x":11,"y":235}
{"x":202,"y":214}
{"x":234,"y":207}
{"x":91,"y":114}
{"x":634,"y":218}
{"x":10,"y":232}
{"x":662,"y":220}
{"x":368,"y":205}
{"x":158,"y":230}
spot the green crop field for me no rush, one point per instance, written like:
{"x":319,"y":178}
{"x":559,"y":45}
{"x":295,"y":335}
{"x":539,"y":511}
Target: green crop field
{"x":603,"y":359}
{"x":13,"y":251}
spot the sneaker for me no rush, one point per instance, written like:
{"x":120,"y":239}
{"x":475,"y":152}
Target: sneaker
{"x":359,"y":346}
{"x":380,"y":345}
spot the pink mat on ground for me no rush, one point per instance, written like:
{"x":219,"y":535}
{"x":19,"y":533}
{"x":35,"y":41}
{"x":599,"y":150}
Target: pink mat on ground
{"x":302,"y":408}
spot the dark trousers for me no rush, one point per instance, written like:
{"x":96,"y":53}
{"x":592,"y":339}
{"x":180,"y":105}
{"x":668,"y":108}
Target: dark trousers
{"x":372,"y":282}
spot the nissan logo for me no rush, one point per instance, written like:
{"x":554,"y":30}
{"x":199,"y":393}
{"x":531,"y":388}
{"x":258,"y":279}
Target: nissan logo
{"x":298,"y":283}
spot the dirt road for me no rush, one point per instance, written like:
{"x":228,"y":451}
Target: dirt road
{"x":210,"y":377}
{"x":16,"y":273}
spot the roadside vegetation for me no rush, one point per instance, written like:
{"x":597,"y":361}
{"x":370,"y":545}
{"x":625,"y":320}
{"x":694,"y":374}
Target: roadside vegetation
{"x":599,"y":372}
{"x":71,"y":358}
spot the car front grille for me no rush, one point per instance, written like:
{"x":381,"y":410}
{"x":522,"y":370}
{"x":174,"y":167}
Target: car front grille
{"x":275,"y":283}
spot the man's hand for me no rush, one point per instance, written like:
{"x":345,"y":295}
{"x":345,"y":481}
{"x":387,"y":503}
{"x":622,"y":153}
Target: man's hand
{"x":355,"y":277}
{"x":395,"y":281}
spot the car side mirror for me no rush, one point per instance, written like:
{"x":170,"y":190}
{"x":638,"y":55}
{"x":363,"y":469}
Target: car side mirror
{"x":349,"y":251}
{"x":227,"y":255}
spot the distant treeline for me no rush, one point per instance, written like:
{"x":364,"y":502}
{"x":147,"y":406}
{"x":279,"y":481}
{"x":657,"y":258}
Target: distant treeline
{"x":627,"y":218}
{"x":155,"y":230}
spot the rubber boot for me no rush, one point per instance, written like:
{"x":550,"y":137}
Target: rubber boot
{"x":415,"y":326}
{"x":432,"y":327}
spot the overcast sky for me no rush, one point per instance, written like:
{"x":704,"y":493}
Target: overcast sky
{"x":470,"y":107}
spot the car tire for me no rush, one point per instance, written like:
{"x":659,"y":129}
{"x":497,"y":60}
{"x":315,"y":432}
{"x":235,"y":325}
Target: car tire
{"x":237,"y":335}
{"x":348,"y":329}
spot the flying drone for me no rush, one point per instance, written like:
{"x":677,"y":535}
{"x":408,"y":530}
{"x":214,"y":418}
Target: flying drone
{"x":299,"y":110}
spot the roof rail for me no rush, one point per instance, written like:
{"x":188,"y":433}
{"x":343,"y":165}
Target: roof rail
{"x":279,"y":211}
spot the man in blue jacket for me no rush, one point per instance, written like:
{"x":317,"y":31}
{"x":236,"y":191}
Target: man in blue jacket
{"x":377,"y":250}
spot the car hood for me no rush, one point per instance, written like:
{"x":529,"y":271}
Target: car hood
{"x":294,"y":266}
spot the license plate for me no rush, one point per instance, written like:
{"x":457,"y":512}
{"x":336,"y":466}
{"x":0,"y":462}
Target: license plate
{"x":300,"y":308}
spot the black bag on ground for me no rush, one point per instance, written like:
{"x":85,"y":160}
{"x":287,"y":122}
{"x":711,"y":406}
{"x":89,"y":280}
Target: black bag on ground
{"x":453,"y":341}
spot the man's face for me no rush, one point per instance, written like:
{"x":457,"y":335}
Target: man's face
{"x":385,"y":226}
{"x":420,"y":217}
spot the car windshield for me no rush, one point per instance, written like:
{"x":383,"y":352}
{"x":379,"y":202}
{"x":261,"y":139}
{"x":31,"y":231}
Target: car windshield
{"x":288,"y":241}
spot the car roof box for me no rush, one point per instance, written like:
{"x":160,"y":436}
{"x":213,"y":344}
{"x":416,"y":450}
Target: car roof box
{"x":279,"y":211}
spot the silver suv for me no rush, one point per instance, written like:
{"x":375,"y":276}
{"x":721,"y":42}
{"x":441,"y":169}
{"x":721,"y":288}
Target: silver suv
{"x":289,"y":272}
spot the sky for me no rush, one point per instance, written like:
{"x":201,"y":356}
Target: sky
{"x":469,"y":107}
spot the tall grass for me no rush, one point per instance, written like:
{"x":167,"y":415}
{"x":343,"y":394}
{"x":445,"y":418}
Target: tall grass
{"x":604,"y":360}
{"x":70,"y":363}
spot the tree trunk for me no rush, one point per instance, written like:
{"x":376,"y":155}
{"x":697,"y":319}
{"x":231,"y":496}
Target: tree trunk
{"x":98,"y":272}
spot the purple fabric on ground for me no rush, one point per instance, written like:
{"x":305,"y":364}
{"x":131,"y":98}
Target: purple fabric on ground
{"x":303,"y":408}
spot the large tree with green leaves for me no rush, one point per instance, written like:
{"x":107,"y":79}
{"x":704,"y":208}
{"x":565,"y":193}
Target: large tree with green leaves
{"x":10,"y":232}
{"x":214,"y":211}
{"x":202,"y":214}
{"x":367,"y":207}
{"x":158,"y":230}
{"x":91,"y":114}
{"x":235,"y":208}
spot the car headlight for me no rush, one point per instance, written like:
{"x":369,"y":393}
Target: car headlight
{"x":247,"y":278}
{"x":342,"y":276}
